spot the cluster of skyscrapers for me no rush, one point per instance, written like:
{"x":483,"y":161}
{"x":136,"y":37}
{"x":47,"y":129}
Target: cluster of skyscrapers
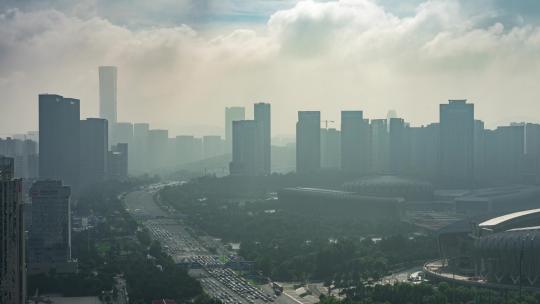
{"x":69,"y":154}
{"x":456,"y":152}
{"x":251,"y":141}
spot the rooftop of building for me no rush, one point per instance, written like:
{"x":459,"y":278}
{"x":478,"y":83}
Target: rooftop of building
{"x":340,"y":193}
{"x":506,"y":192}
{"x":388,"y":180}
{"x":510,"y":218}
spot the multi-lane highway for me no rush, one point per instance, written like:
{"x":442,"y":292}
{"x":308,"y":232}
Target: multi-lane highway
{"x":183,"y":246}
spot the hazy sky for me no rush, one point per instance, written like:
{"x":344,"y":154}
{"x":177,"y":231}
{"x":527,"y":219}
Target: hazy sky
{"x":182,"y":61}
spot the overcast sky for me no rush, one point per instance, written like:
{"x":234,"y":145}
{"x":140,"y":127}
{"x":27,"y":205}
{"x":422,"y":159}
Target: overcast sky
{"x":182,"y":61}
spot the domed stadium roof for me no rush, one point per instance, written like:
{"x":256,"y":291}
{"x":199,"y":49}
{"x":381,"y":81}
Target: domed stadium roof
{"x":520,"y":219}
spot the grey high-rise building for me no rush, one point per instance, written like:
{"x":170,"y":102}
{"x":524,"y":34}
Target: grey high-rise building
{"x":355,"y":142}
{"x":232,"y":114}
{"x":122,"y":133}
{"x":212,"y":146}
{"x":331,"y":148}
{"x":12,"y":238}
{"x":107,"y":93}
{"x":505,"y":150}
{"x":118,"y":161}
{"x":158,"y":142}
{"x":457,"y":144}
{"x":424,"y":151}
{"x":139,"y":151}
{"x":94,"y":148}
{"x":107,"y":97}
{"x":480,"y":169}
{"x":188,"y":149}
{"x":398,"y":146}
{"x":532,"y":152}
{"x":262,"y":116}
{"x":50,"y":233}
{"x":246,"y":148}
{"x":379,"y":146}
{"x":308,"y":142}
{"x":59,"y":143}
{"x":24,"y":152}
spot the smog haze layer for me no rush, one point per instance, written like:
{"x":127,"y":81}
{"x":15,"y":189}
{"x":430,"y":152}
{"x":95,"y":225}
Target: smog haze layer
{"x":180,"y":62}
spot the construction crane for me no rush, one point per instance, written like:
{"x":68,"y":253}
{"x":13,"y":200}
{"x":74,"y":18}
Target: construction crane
{"x":326,"y":123}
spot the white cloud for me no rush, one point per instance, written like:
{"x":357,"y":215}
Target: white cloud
{"x":316,"y":55}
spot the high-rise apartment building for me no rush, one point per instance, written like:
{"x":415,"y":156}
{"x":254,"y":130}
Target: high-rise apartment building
{"x":424,"y":151}
{"x":505,"y":151}
{"x":59,"y":143}
{"x":139,"y":151}
{"x":158,"y":142}
{"x":94,"y":150}
{"x":12,"y":239}
{"x":50,"y":233}
{"x":331,"y":148}
{"x":118,"y":161}
{"x":532,"y":152}
{"x":122,"y":133}
{"x":232,"y":114}
{"x":457,"y":144}
{"x":398,"y":146}
{"x":246,"y":148}
{"x":262,"y":116}
{"x":187,"y":149}
{"x":24,"y":152}
{"x":355,"y":142}
{"x":212,"y":146}
{"x":308,"y":142}
{"x":107,"y":94}
{"x":379,"y":146}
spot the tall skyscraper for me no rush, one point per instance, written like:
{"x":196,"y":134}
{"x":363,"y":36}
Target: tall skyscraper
{"x":457,"y":144}
{"x":158,"y":141}
{"x":532,"y":151}
{"x":50,"y":234}
{"x":107,"y":97}
{"x":24,"y":152}
{"x":59,"y":132}
{"x":355,"y":142}
{"x":118,"y":161}
{"x":94,"y":147}
{"x":480,"y":169}
{"x":308,"y":142}
{"x":12,"y":240}
{"x":139,"y":152}
{"x":379,"y":146}
{"x":122,"y":133}
{"x":263,"y":118}
{"x":331,"y":148}
{"x":424,"y":151}
{"x":107,"y":93}
{"x":506,"y":151}
{"x":232,"y":114}
{"x":246,"y":148}
{"x":187,"y":149}
{"x":398,"y":146}
{"x":212,"y":146}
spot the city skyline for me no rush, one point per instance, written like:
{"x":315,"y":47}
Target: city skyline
{"x":269,"y":151}
{"x":408,"y":57}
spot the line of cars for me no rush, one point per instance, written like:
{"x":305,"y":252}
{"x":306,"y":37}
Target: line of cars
{"x":173,"y":238}
{"x":240,"y":285}
{"x":206,"y":260}
{"x":217,"y":291}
